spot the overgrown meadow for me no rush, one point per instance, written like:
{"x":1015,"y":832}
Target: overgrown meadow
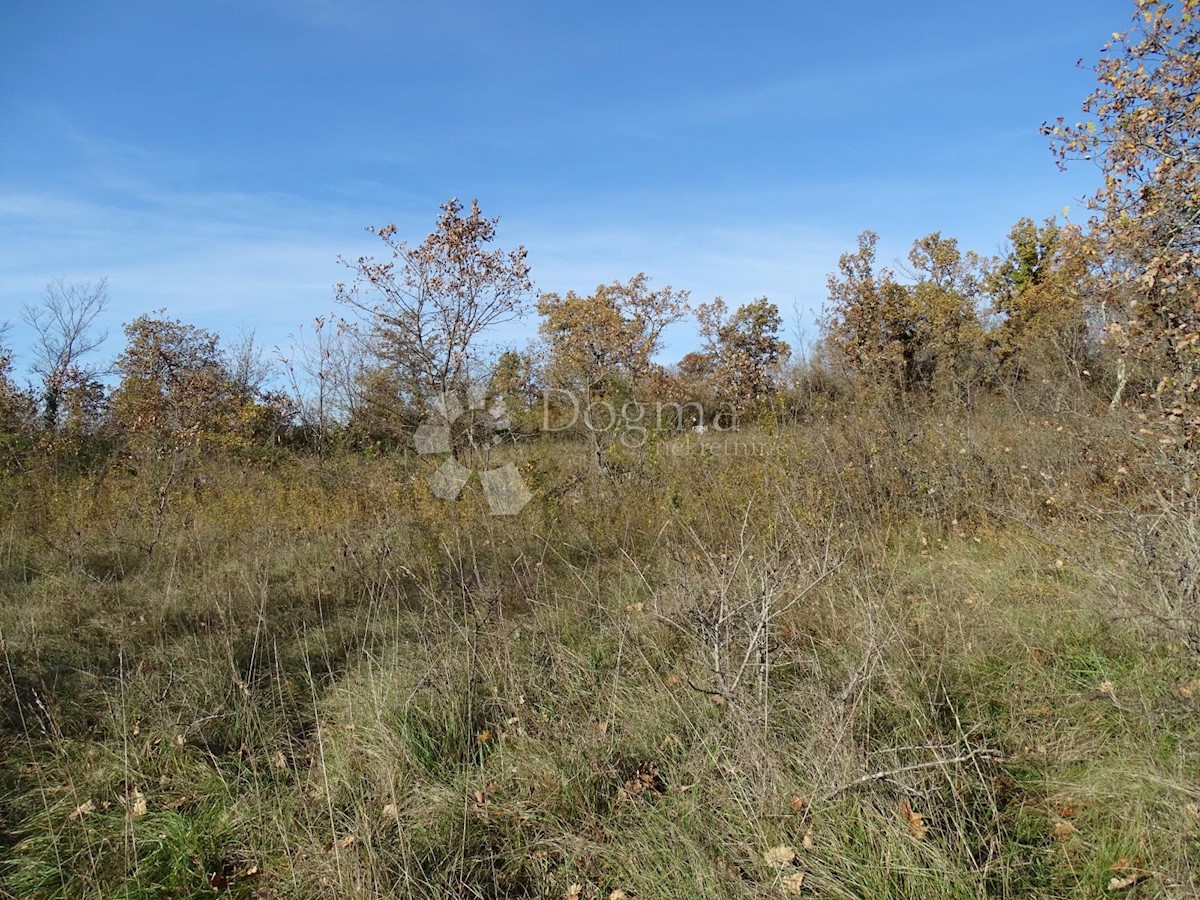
{"x":908,"y":611}
{"x":873,"y":655}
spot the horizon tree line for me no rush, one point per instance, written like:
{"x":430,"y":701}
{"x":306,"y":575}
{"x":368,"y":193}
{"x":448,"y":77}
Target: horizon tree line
{"x":1110,"y":307}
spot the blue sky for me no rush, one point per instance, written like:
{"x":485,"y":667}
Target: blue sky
{"x":215,"y":158}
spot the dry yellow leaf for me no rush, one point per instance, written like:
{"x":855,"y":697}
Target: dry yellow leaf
{"x":809,"y":839}
{"x":780,"y":856}
{"x":137,"y":804}
{"x":574,"y":892}
{"x":1129,"y":873}
{"x":793,"y":883}
{"x":82,"y":810}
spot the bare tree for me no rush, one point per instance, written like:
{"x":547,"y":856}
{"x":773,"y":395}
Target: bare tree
{"x":248,"y":364}
{"x":321,"y":367}
{"x":64,"y":322}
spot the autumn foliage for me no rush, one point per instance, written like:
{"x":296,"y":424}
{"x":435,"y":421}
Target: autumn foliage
{"x":909,"y":610}
{"x":1144,"y":132}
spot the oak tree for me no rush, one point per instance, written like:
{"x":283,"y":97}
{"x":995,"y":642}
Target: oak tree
{"x":601,"y":348}
{"x":429,"y":305}
{"x":175,"y":392}
{"x":745,"y":349}
{"x":908,"y":338}
{"x":608,"y":338}
{"x":1143,"y":131}
{"x":1040,"y":291}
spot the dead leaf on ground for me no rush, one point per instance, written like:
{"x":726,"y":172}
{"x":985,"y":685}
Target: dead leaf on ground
{"x":780,"y":856}
{"x":1189,"y":690}
{"x":180,"y":802}
{"x":82,"y":810}
{"x":574,"y":892}
{"x":1117,"y":883}
{"x":915,"y":821}
{"x":793,"y":883}
{"x":1062,"y":830}
{"x":646,"y":783}
{"x":1129,"y":873}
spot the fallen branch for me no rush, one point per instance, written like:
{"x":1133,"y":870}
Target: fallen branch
{"x":982,"y":753}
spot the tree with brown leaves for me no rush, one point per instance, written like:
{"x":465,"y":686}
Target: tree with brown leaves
{"x":1143,"y":131}
{"x":908,"y":338}
{"x":600,"y":349}
{"x":1040,"y":291}
{"x":429,"y":305}
{"x":175,"y":392}
{"x":609,"y":337}
{"x":745,"y":349}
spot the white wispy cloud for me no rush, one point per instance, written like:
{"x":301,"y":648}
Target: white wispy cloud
{"x":234,"y":260}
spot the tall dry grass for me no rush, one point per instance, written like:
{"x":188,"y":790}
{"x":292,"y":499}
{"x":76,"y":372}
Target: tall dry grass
{"x":879,"y":653}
